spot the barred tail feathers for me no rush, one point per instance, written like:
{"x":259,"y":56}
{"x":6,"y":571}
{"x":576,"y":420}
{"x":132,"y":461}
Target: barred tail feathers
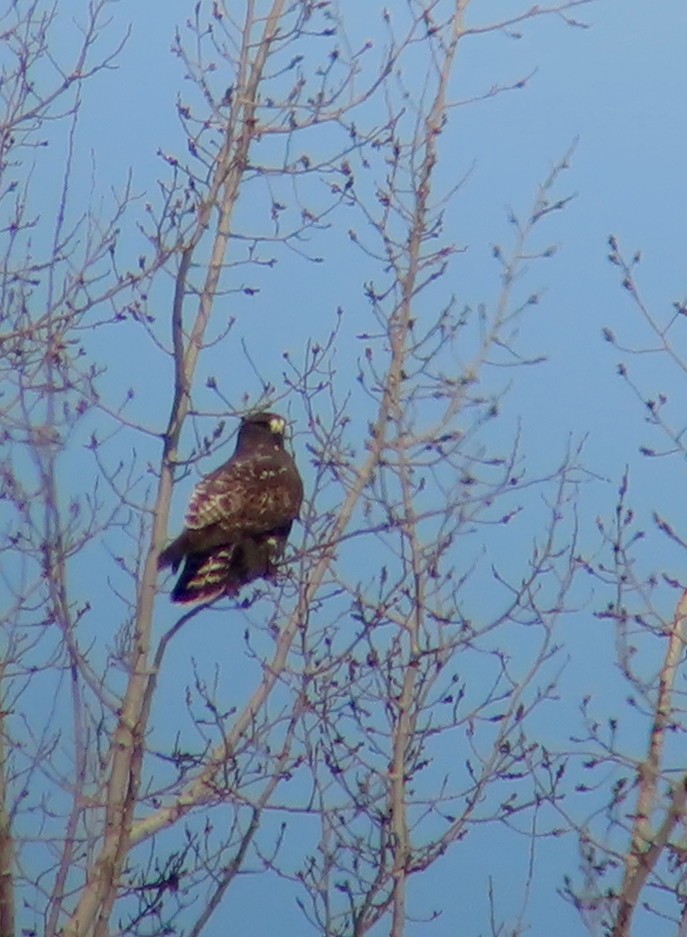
{"x":224,"y":570}
{"x":206,"y":576}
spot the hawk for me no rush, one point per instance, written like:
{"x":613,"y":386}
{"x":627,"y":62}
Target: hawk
{"x":239,"y":516}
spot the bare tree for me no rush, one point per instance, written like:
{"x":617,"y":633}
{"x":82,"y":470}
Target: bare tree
{"x":632,"y":846}
{"x":376,"y":707}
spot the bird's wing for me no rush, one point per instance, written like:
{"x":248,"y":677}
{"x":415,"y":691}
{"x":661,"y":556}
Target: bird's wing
{"x":246,"y":496}
{"x":220,"y":497}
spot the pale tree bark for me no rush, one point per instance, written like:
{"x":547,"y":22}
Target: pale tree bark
{"x":357,"y":672}
{"x":647,"y":794}
{"x":7,"y":913}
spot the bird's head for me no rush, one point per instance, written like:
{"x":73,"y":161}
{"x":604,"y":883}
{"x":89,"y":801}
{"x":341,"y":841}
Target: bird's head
{"x":262,"y":428}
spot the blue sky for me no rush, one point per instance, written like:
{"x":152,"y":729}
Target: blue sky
{"x":618,"y":88}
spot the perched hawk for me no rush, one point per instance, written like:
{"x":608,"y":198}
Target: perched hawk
{"x":239,"y":517}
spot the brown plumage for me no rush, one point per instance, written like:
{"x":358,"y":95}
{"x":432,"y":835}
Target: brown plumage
{"x":239,"y":516}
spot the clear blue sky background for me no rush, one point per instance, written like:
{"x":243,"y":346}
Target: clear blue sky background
{"x":620,"y":87}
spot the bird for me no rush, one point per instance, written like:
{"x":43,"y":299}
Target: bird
{"x":239,"y":517}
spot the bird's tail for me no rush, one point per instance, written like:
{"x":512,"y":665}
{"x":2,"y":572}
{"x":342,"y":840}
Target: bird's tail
{"x":223,"y":570}
{"x":206,"y":576}
{"x":173,"y":554}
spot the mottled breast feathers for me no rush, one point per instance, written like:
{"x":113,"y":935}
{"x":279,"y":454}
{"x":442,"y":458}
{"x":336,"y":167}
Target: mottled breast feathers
{"x":239,"y":516}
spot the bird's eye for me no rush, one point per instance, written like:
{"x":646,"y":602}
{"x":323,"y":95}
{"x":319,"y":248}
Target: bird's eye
{"x":277,"y":424}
